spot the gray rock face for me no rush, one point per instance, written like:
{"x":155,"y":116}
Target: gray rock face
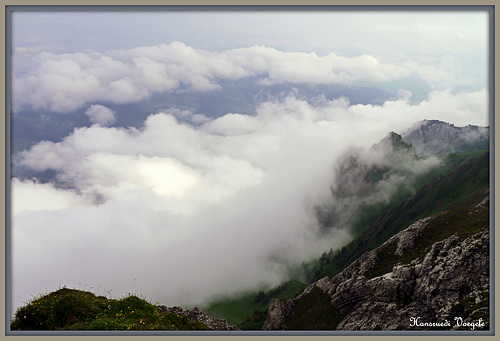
{"x":277,"y":314}
{"x":432,"y":137}
{"x":199,"y":316}
{"x":433,"y":270}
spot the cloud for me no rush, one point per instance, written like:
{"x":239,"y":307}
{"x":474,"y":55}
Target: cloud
{"x":186,"y":211}
{"x":67,"y":82}
{"x":444,"y":73}
{"x":33,"y":196}
{"x":100,"y":114}
{"x":298,"y":67}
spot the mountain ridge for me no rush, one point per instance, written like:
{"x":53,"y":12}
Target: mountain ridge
{"x":465,"y":185}
{"x":434,"y":137}
{"x":410,"y":275}
{"x":458,"y":180}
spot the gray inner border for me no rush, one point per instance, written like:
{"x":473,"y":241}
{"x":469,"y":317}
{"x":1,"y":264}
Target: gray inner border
{"x":256,"y":8}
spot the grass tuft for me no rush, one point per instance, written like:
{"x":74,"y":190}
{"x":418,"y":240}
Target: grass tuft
{"x":71,"y":309}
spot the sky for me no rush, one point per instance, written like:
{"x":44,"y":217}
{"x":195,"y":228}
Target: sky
{"x":187,"y":207}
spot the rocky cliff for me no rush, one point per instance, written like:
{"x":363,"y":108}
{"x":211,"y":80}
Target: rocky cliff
{"x":432,"y":275}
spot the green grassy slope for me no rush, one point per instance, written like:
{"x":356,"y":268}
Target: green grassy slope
{"x":465,"y":186}
{"x":248,"y":311}
{"x":70,"y":309}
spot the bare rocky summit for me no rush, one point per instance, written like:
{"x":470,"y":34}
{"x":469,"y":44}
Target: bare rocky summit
{"x":432,"y":137}
{"x":432,"y":275}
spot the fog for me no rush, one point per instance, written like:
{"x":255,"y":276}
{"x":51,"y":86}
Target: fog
{"x":182,"y":213}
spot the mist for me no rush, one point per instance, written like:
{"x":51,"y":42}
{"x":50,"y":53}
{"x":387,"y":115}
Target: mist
{"x":183,"y":213}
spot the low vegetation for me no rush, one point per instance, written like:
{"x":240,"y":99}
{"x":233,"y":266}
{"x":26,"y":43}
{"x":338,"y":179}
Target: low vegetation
{"x":70,"y":309}
{"x":249,"y":311}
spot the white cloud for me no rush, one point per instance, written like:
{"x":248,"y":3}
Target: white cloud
{"x":297,"y":67}
{"x":100,"y":114}
{"x":66,"y":82}
{"x":195,"y":211}
{"x":32,"y":196}
{"x":233,"y":124}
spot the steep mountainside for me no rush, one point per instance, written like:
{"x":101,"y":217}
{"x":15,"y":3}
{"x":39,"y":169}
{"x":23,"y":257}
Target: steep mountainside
{"x":432,"y":137}
{"x":369,"y":177}
{"x":436,"y":270}
{"x":378,"y":193}
{"x":465,"y":185}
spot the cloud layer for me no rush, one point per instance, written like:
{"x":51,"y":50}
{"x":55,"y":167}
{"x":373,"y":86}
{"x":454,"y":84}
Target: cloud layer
{"x":182,"y":212}
{"x":66,"y":82}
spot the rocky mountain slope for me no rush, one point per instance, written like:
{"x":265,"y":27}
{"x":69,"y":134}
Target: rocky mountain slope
{"x":432,"y":275}
{"x":432,"y":137}
{"x":377,"y":193}
{"x":370,"y":176}
{"x":196,"y":315}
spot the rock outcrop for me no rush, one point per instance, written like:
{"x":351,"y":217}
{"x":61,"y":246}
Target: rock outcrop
{"x":424,"y":277}
{"x":197,"y":315}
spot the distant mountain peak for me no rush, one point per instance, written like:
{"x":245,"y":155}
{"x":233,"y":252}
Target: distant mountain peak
{"x":428,"y":122}
{"x":434,"y":137}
